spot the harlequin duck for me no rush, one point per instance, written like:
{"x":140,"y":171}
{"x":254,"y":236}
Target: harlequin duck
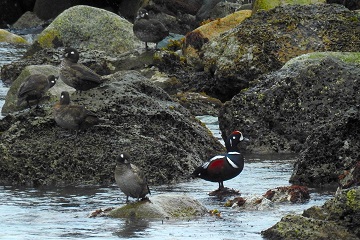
{"x":73,"y":117}
{"x":225,"y":166}
{"x":130,"y":179}
{"x":77,"y":75}
{"x":149,"y":30}
{"x":34,"y":88}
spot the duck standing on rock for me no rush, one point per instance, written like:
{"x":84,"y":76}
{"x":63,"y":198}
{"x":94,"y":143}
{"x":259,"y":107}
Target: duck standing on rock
{"x":34,"y":88}
{"x":225,"y":166}
{"x":73,"y":117}
{"x":149,"y":30}
{"x":130,"y":179}
{"x":77,"y":75}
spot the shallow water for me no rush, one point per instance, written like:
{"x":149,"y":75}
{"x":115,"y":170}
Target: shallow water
{"x":62,"y":213}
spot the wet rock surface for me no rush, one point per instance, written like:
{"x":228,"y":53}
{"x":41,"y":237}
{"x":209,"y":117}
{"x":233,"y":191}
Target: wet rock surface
{"x":338,"y":218}
{"x":164,"y":138}
{"x":161,"y":206}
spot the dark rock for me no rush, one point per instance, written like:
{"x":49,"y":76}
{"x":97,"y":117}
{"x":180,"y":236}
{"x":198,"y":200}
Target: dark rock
{"x":350,"y":4}
{"x":331,"y":150}
{"x":10,"y":11}
{"x":46,"y":9}
{"x":140,"y":118}
{"x":284,"y":108}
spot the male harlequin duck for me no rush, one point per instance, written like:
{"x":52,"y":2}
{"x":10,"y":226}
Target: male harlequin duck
{"x":77,"y":75}
{"x":149,"y":30}
{"x":130,"y":179}
{"x":34,"y":88}
{"x":226,"y":166}
{"x":73,"y":117}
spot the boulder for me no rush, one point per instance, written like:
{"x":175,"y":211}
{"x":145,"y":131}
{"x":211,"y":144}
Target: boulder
{"x":10,"y":11}
{"x":195,"y":39}
{"x":52,"y":95}
{"x":281,"y":110}
{"x":9,"y":37}
{"x":27,"y":20}
{"x":165,"y":140}
{"x":338,"y":218}
{"x":270,"y":4}
{"x":91,"y":28}
{"x":268,"y":39}
{"x":161,"y":206}
{"x":46,"y":9}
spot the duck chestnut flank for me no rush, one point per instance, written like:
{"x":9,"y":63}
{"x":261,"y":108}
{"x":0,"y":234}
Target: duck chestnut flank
{"x":34,"y":88}
{"x":77,"y":75}
{"x":130,"y":179}
{"x":73,"y":117}
{"x":226,"y":166}
{"x":149,"y":30}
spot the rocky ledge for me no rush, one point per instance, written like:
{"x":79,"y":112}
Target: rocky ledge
{"x":140,"y":118}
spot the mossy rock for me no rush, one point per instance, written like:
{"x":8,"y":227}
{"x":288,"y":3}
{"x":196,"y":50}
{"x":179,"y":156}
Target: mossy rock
{"x":52,"y":95}
{"x":161,"y":206}
{"x":9,"y":37}
{"x":89,"y":27}
{"x":269,"y":4}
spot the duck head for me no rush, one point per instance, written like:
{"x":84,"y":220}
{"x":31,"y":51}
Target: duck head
{"x":71,"y":54}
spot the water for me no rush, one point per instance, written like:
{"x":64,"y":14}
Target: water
{"x":62,"y":213}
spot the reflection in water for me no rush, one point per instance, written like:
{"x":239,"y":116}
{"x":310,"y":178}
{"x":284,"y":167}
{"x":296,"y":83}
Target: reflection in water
{"x":132,"y":227}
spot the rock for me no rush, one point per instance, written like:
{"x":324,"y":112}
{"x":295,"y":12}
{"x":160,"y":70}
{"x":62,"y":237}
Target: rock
{"x":201,"y":35}
{"x":331,"y":151}
{"x":167,"y":142}
{"x":86,"y":27}
{"x":10,"y":104}
{"x":161,"y":206}
{"x":350,"y":4}
{"x":293,"y":194}
{"x":27,"y":20}
{"x":204,"y":11}
{"x":338,"y":218}
{"x":270,"y":4}
{"x":284,"y":108}
{"x":199,"y":103}
{"x":8,"y":37}
{"x":222,"y":9}
{"x":46,"y":9}
{"x":267,"y":40}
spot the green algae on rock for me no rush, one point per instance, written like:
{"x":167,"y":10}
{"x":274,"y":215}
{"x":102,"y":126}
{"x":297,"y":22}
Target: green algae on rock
{"x":269,"y":4}
{"x":89,"y":27}
{"x":336,"y":219}
{"x":161,"y":206}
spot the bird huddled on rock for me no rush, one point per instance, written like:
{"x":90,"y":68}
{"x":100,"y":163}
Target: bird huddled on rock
{"x":34,"y":87}
{"x":149,"y":30}
{"x":130,"y":179}
{"x":225,"y":166}
{"x":73,"y":117}
{"x":77,"y":75}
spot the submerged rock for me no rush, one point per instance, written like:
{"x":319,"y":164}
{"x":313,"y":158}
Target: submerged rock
{"x":167,"y":142}
{"x":338,"y":218}
{"x":161,"y":206}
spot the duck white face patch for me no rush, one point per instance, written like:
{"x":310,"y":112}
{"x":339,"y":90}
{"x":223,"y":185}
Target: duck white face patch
{"x":231,"y":163}
{"x":122,"y":155}
{"x":72,"y":52}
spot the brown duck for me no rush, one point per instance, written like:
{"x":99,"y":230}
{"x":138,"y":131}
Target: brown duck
{"x":73,"y":117}
{"x":77,"y":75}
{"x":34,"y":88}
